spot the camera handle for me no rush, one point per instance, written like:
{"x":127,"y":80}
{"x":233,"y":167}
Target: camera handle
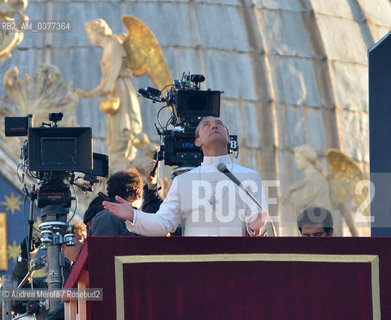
{"x":33,"y":197}
{"x":158,"y":156}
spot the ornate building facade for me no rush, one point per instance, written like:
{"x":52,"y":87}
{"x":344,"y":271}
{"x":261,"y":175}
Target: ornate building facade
{"x":293,"y":72}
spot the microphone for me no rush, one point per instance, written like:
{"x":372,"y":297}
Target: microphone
{"x":223,"y":169}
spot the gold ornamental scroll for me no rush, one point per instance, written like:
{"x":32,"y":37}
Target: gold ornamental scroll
{"x":3,"y":242}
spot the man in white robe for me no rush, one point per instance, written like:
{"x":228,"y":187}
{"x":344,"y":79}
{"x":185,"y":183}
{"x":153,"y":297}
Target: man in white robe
{"x":204,"y":200}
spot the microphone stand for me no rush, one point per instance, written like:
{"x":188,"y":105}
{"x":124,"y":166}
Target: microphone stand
{"x":223,"y":169}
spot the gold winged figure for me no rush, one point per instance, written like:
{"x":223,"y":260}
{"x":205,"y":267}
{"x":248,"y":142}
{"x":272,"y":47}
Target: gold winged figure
{"x":144,"y":54}
{"x":135,"y":54}
{"x":349,"y":189}
{"x":344,"y":191}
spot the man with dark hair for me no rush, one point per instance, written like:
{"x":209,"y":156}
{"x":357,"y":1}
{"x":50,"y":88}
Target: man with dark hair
{"x":128,"y":184}
{"x":203,"y":200}
{"x":315,"y":222}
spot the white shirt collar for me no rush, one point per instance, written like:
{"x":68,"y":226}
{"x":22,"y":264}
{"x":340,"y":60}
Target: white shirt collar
{"x":214,"y":161}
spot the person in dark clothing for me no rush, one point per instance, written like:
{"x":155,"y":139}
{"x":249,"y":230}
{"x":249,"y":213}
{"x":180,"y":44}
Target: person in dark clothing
{"x":20,"y":271}
{"x":93,"y":209}
{"x":129,"y":184}
{"x":70,"y":253}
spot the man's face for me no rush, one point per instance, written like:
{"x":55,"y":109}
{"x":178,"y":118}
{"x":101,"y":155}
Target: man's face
{"x":316,"y":230}
{"x":71,"y":253}
{"x":136,"y":202}
{"x":211,"y":130}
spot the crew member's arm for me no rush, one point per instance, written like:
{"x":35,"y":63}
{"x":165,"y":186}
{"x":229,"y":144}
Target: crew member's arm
{"x":151,"y":197}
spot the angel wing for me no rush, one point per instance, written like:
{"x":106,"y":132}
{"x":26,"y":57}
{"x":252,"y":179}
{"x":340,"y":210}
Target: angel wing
{"x":344,"y":176}
{"x":144,"y":54}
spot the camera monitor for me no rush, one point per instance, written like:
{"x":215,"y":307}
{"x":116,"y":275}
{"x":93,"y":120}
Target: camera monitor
{"x":192,"y":104}
{"x":60,"y":149}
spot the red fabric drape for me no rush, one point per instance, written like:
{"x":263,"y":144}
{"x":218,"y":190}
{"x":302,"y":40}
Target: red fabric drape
{"x":239,"y":290}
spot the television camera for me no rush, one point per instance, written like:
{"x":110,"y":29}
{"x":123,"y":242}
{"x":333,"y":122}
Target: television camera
{"x":188,"y":105}
{"x":52,"y":155}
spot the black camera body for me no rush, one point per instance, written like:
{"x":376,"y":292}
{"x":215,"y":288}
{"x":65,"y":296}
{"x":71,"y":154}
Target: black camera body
{"x":179,"y":148}
{"x":189,"y":105}
{"x":52,"y":155}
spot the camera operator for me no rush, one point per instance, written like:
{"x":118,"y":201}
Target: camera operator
{"x":21,"y":270}
{"x":181,"y":205}
{"x":70,"y":253}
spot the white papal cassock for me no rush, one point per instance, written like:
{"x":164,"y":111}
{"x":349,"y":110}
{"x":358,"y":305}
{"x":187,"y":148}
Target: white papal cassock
{"x":205,"y":202}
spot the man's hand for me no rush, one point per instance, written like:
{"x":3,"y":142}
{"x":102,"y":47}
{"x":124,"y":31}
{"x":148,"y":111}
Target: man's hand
{"x":256,"y":222}
{"x":151,"y":180}
{"x":122,"y":209}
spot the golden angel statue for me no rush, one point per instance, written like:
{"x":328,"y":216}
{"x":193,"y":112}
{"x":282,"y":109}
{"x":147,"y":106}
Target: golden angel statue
{"x":334,"y":191}
{"x":123,"y":57}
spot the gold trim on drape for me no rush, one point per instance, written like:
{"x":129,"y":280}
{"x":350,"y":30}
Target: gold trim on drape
{"x":277,"y":257}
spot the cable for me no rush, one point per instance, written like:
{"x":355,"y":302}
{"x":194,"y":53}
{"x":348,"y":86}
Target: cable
{"x":26,"y":227}
{"x":158,"y":118}
{"x":169,"y":121}
{"x":74,"y":211}
{"x":169,"y":85}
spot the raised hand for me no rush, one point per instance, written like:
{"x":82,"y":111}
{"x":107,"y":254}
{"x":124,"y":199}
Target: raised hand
{"x":122,"y":209}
